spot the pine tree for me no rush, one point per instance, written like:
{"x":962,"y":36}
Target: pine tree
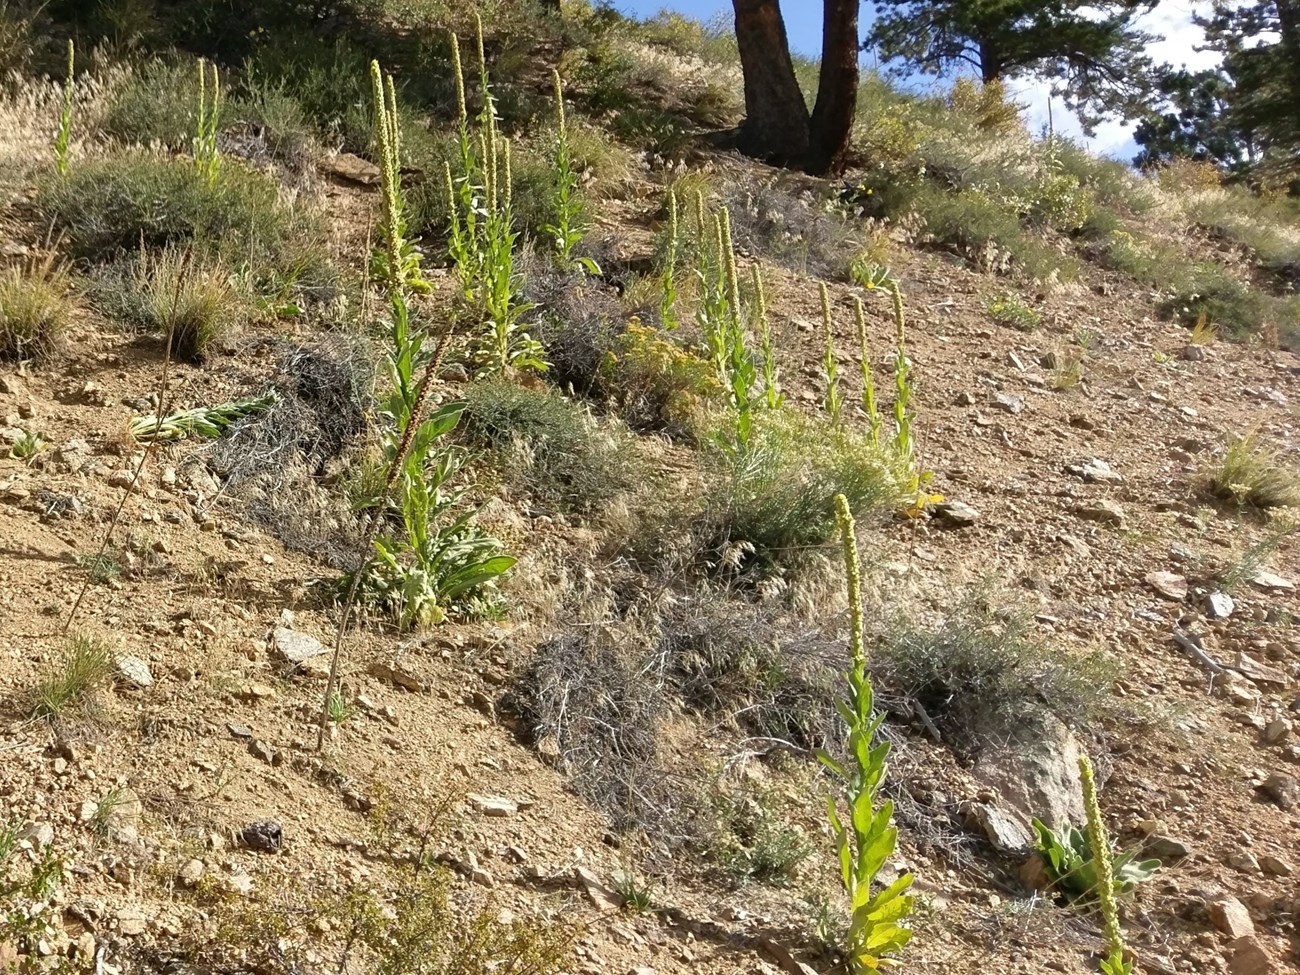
{"x":1090,"y":49}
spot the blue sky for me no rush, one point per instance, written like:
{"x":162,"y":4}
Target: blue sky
{"x":1170,"y":19}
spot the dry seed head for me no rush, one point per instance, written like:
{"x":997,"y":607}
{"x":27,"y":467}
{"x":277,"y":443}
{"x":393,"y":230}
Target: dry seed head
{"x":729,"y":256}
{"x":760,"y":298}
{"x":394,"y":130}
{"x":508,"y":187}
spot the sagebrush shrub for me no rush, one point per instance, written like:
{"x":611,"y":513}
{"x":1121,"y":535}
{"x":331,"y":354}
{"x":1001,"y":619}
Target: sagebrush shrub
{"x":550,"y":446}
{"x":136,"y":198}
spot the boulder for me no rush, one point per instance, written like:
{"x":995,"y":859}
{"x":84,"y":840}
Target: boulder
{"x":1037,"y":775}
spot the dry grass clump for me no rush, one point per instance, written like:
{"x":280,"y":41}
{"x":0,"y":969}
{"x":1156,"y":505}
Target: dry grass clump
{"x":1253,"y":476}
{"x":34,"y":307}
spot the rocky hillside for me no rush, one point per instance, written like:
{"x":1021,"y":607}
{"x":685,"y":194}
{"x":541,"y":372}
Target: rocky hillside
{"x":577,"y":708}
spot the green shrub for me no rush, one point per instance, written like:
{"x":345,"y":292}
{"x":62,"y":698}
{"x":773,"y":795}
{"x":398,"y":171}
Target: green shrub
{"x":1251,"y":474}
{"x":177,"y":293}
{"x":1208,"y":291}
{"x":153,"y":105}
{"x":549,"y":446}
{"x":34,"y":309}
{"x":986,"y":232}
{"x":1010,"y":310}
{"x":657,"y":383}
{"x":748,"y":838}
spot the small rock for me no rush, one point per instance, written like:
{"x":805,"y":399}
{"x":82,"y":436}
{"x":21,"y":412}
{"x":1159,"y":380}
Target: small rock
{"x":1095,"y":471}
{"x":1276,"y":866}
{"x":122,"y":479}
{"x":1105,"y":511}
{"x":1276,"y":731}
{"x":395,"y":674}
{"x":239,"y":730}
{"x":599,"y":894}
{"x":266,"y":836}
{"x":1192,"y":353}
{"x":296,"y":648}
{"x":1260,"y":673}
{"x":782,"y":956}
{"x":263,"y":752}
{"x":239,"y":883}
{"x":191,"y":873}
{"x":1170,"y":585}
{"x":494,"y":806}
{"x":1015,"y":362}
{"x":37,"y":836}
{"x":1082,"y":421}
{"x":1008,"y":402}
{"x":134,"y":672}
{"x":1219,"y":605}
{"x":1166,"y":849}
{"x":1230,"y":916}
{"x":1244,"y":861}
{"x":964,"y":399}
{"x":131,"y":922}
{"x":93,"y":394}
{"x":1250,"y":958}
{"x":1272,"y":581}
{"x":956,"y":513}
{"x":1283,"y":790}
{"x":1000,"y":828}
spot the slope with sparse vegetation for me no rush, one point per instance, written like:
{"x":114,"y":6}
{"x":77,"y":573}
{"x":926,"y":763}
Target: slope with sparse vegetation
{"x":459,"y":519}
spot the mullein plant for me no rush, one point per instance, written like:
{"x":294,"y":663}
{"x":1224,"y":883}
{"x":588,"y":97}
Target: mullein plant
{"x":668,"y":302}
{"x":207,"y":160}
{"x":869,"y":405}
{"x":833,"y":403}
{"x":481,"y":235}
{"x":773,"y":397}
{"x":1115,"y":962}
{"x":914,"y":482}
{"x":567,"y":204}
{"x":865,"y":838}
{"x":63,"y":135}
{"x":438,"y":557}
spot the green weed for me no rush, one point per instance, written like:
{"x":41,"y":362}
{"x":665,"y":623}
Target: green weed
{"x":1008,"y":309}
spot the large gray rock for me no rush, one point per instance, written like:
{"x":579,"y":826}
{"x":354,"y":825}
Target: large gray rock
{"x":1038,"y":775}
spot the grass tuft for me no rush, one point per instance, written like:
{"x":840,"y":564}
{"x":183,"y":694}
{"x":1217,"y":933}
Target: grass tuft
{"x":1253,"y":476}
{"x":85,"y":665}
{"x":34,"y":308}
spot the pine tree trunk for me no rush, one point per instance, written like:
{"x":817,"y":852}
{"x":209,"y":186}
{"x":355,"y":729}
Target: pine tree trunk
{"x":776,"y":118}
{"x":837,"y":89}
